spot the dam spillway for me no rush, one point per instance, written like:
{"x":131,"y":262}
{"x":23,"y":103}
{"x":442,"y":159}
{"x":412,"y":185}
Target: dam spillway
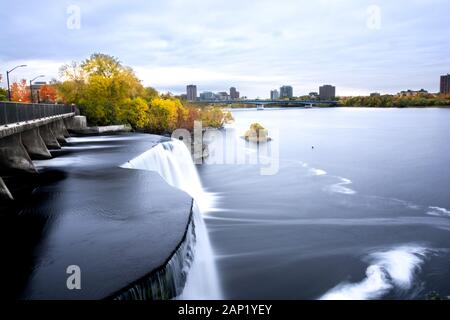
{"x":119,"y":226}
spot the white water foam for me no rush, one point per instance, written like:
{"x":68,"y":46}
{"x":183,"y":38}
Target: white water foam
{"x":173,"y":161}
{"x":318,"y":172}
{"x":395,"y":268}
{"x":340,"y":187}
{"x":438,"y":212}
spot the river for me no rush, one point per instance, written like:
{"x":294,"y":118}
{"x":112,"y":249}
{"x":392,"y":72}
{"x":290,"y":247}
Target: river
{"x":356,"y":204}
{"x":342,"y":203}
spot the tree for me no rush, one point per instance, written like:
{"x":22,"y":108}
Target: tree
{"x":134,"y":111}
{"x":20,"y":92}
{"x":150,"y":94}
{"x":102,"y":65}
{"x":215,"y":117}
{"x":108,"y":93}
{"x":100,"y":86}
{"x":47,"y":94}
{"x":163,"y":115}
{"x":3,"y":94}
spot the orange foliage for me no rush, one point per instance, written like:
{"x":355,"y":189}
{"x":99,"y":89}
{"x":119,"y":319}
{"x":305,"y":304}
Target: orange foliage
{"x":20,"y":92}
{"x":47,"y":94}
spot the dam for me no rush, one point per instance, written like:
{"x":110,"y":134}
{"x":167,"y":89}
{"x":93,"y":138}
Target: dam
{"x":133,"y":234}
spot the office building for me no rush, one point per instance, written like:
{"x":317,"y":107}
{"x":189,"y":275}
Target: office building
{"x":327,"y":92}
{"x":191,"y":92}
{"x":274,"y":95}
{"x":222,"y":96}
{"x":286,"y":92}
{"x":207,"y":96}
{"x":445,"y":84}
{"x":234,"y":94}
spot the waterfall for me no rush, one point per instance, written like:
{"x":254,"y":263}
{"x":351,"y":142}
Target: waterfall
{"x":173,"y":161}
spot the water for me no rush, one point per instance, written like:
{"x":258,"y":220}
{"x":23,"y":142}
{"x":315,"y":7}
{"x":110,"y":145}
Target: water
{"x":173,"y":161}
{"x":358,"y":208}
{"x":170,"y":280}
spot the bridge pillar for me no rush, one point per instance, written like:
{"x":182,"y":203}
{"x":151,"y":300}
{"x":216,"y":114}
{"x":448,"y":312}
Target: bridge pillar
{"x":14,"y":156}
{"x":4,"y":191}
{"x":58,"y":132}
{"x":62,"y":125}
{"x":49,"y":138}
{"x":35,"y":145}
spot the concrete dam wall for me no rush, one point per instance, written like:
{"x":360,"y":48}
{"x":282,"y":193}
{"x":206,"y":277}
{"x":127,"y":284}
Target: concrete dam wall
{"x":28,"y":132}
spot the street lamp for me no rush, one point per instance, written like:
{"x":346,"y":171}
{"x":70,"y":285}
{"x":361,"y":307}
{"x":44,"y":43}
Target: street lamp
{"x":31,"y":88}
{"x":7,"y":78}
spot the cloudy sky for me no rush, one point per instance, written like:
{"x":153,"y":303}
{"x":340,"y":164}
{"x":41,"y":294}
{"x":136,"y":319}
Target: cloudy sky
{"x":256,"y":45}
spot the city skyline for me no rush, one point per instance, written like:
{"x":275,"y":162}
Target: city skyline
{"x":219,"y":46}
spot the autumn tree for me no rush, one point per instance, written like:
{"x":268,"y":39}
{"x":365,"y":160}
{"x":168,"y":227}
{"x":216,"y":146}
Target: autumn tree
{"x":47,"y":94}
{"x":100,"y":86}
{"x":163,"y":115}
{"x":20,"y":92}
{"x":109,"y":93}
{"x":135,"y":112}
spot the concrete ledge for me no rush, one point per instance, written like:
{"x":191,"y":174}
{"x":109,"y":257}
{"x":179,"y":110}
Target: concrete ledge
{"x":75,"y":123}
{"x":104,"y":129}
{"x":24,"y":126}
{"x":4,"y":191}
{"x":35,"y":145}
{"x":49,"y":138}
{"x":14,"y":156}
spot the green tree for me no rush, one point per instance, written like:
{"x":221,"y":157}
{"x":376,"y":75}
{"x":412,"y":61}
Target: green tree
{"x":3,"y":94}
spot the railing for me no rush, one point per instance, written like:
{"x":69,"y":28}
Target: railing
{"x":11,"y":112}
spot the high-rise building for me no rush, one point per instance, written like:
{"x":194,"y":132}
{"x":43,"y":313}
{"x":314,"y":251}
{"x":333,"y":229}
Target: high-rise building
{"x":445,"y":84}
{"x":286,"y":92}
{"x":207,"y":95}
{"x":234,"y":94}
{"x":274,"y":95}
{"x":327,"y":92}
{"x":191,"y":92}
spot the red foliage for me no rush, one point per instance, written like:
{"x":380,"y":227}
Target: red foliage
{"x":20,"y":92}
{"x":47,"y":94}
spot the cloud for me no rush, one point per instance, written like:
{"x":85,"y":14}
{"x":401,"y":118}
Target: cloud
{"x":255,"y":45}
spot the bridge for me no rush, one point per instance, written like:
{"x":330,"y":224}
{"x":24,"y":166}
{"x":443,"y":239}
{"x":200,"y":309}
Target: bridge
{"x":28,"y":131}
{"x":282,"y":103}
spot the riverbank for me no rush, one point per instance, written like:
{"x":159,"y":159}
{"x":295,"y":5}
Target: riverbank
{"x":119,"y":226}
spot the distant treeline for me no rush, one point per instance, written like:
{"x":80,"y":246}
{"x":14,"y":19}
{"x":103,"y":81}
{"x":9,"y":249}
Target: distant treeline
{"x":399,"y":101}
